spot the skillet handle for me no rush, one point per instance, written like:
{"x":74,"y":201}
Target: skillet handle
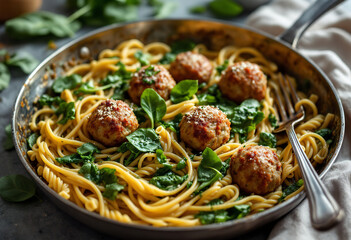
{"x":318,"y":8}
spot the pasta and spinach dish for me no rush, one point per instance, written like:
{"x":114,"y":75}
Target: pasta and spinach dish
{"x":172,"y":135}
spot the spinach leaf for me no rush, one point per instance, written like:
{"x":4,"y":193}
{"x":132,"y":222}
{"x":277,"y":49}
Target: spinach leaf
{"x":181,"y":164}
{"x":24,"y":61}
{"x":87,"y":150}
{"x":16,"y":188}
{"x":68,"y":110}
{"x":267,"y":139}
{"x":142,"y":58}
{"x":67,"y":82}
{"x":153,"y":104}
{"x":176,"y":48}
{"x":160,"y":156}
{"x":184,"y":90}
{"x":48,"y":100}
{"x":290,"y":189}
{"x":39,"y":24}
{"x":174,"y":123}
{"x":32,"y":139}
{"x":140,"y":114}
{"x":144,"y":140}
{"x":168,"y":181}
{"x":225,"y":8}
{"x":163,"y":9}
{"x":90,"y":171}
{"x":273,"y":120}
{"x":326,"y":133}
{"x":221,"y":68}
{"x":4,"y":76}
{"x":68,"y":159}
{"x":107,"y":175}
{"x":246,"y":116}
{"x":198,"y":9}
{"x":209,"y":169}
{"x":8,"y":143}
{"x":84,"y":153}
{"x":88,"y":87}
{"x":111,"y":190}
{"x":222,"y":215}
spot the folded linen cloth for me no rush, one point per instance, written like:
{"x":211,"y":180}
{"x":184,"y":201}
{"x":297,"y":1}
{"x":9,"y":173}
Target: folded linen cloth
{"x":328,"y":43}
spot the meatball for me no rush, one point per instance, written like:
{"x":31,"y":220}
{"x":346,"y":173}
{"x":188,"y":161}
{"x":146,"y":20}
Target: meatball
{"x":243,"y":80}
{"x":189,"y":65}
{"x":204,"y":126}
{"x":111,"y":122}
{"x":153,"y":76}
{"x":256,"y":169}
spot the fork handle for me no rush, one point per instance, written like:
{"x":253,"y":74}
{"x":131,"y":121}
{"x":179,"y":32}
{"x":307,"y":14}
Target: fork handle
{"x":325,"y":212}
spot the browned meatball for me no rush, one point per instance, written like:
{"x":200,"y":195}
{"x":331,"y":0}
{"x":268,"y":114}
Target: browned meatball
{"x":205,"y":126}
{"x":256,"y":169}
{"x":189,"y":65}
{"x":153,"y":76}
{"x":111,"y":122}
{"x":243,"y":80}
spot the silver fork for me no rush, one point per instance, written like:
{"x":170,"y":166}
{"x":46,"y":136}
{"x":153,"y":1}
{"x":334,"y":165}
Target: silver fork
{"x":324,"y":210}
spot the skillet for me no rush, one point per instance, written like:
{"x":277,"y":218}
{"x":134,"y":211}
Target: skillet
{"x":215,"y":35}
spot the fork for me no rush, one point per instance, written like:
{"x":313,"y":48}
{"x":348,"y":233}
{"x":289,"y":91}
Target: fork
{"x":324,"y":210}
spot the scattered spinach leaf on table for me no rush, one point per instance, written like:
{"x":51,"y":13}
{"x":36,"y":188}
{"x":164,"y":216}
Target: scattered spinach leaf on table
{"x":16,"y":188}
{"x":8,"y":143}
{"x":225,"y":8}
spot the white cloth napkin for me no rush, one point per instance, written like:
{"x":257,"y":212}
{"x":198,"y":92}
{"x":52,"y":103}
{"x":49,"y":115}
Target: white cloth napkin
{"x":328,"y":43}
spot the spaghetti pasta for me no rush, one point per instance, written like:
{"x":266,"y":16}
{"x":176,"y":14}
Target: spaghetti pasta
{"x":141,"y":202}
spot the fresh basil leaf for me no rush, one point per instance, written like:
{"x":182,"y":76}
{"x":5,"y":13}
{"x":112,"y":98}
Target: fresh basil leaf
{"x":169,"y":181}
{"x":145,"y":140}
{"x":273,"y":120}
{"x":41,"y":23}
{"x":267,"y":139}
{"x":16,"y":188}
{"x":32,"y":139}
{"x":142,"y":58}
{"x":67,"y":82}
{"x":225,"y":8}
{"x":154,"y":105}
{"x":24,"y":61}
{"x":181,"y":165}
{"x":174,"y":123}
{"x":90,"y":171}
{"x":290,"y":189}
{"x":111,"y":190}
{"x":68,"y":110}
{"x":4,"y":76}
{"x":184,"y":90}
{"x":209,"y":169}
{"x":8,"y":143}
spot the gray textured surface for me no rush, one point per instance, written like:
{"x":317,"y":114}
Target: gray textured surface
{"x":38,"y":218}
